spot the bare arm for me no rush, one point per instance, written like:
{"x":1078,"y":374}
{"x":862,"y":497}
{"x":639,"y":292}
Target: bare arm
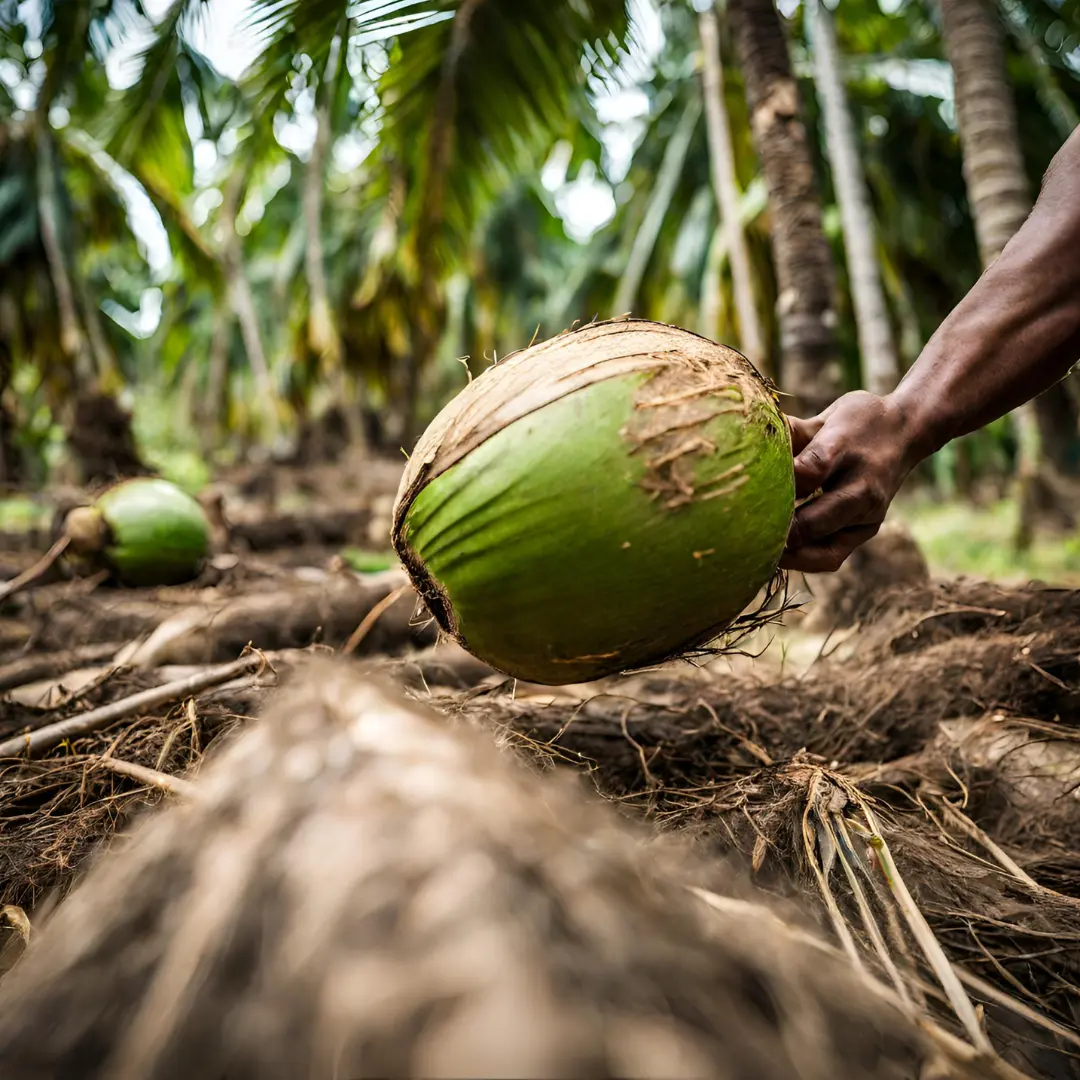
{"x":1014,"y":335}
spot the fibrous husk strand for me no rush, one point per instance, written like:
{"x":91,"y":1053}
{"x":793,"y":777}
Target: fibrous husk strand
{"x":462,"y":929}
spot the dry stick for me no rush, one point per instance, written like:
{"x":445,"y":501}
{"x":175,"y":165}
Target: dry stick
{"x":839,"y":925}
{"x":174,"y":785}
{"x":45,"y":738}
{"x":28,"y":669}
{"x":371,"y":618}
{"x":992,"y":1067}
{"x":989,"y":991}
{"x":38,"y":570}
{"x":835,"y":824}
{"x":728,"y":905}
{"x":929,"y":944}
{"x":1002,"y":857}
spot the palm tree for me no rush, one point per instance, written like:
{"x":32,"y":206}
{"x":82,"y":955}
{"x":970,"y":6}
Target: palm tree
{"x":1000,"y":197}
{"x":667,"y":182}
{"x":880,"y":366}
{"x":60,"y":204}
{"x":726,"y":187}
{"x":803,"y":261}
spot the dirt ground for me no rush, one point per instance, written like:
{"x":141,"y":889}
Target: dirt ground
{"x":937,"y":724}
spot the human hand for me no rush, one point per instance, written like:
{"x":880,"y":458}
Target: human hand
{"x":857,"y":452}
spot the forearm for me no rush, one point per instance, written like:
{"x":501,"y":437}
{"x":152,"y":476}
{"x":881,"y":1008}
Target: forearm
{"x":1015,"y":334}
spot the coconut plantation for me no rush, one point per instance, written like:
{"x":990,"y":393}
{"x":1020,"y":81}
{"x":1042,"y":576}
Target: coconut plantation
{"x":539,"y":538}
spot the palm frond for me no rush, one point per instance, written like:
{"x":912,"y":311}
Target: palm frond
{"x":102,"y":171}
{"x":476,"y":99}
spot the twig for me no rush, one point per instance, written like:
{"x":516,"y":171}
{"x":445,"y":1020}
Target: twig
{"x":989,"y":991}
{"x":821,"y":876}
{"x":929,"y":944}
{"x":371,"y":618}
{"x":848,"y":860}
{"x":35,"y":742}
{"x":1002,"y":857}
{"x":38,"y":570}
{"x":990,"y":1065}
{"x":28,"y":669}
{"x":174,"y":785}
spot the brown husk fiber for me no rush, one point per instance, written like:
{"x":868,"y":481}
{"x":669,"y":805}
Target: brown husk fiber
{"x":361,"y":888}
{"x":948,"y":700}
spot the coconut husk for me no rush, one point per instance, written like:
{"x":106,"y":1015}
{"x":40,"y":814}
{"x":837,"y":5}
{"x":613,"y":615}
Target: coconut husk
{"x":361,"y":888}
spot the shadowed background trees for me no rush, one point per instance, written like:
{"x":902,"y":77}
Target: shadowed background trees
{"x":300,"y":255}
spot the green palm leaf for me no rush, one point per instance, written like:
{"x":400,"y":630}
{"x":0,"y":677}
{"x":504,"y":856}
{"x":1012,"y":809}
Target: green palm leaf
{"x":476,"y":99}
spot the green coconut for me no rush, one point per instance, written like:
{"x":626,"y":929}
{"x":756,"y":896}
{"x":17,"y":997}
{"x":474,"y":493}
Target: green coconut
{"x":148,"y":531}
{"x":602,"y":501}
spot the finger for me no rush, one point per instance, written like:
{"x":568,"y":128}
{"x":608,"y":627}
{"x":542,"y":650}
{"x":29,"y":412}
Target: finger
{"x":843,"y":508}
{"x":814,"y":464}
{"x":802,"y":431}
{"x":828,"y":557}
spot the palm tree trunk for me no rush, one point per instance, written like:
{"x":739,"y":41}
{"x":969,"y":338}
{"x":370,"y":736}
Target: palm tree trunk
{"x":211,"y":409}
{"x":997,"y":182}
{"x":667,"y":182}
{"x":243,"y":301}
{"x":803,"y":261}
{"x":72,"y":338}
{"x":726,"y":187}
{"x":1000,"y":197}
{"x":324,"y":339}
{"x":105,"y":362}
{"x":429,"y":308}
{"x":881,"y":369}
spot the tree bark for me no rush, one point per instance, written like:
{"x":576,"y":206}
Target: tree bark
{"x":726,"y":187}
{"x":324,"y":338}
{"x":239,"y":289}
{"x":880,"y":366}
{"x":440,"y":143}
{"x":212,"y":409}
{"x":72,"y":338}
{"x":1001,"y":199}
{"x":994,"y":171}
{"x":804,"y":268}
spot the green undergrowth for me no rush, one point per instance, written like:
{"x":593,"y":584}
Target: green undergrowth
{"x":21,"y":514}
{"x":168,"y":442}
{"x":369,"y":562}
{"x":961,"y":538}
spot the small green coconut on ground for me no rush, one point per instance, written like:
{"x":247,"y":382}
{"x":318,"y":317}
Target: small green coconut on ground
{"x":145,"y":531}
{"x":602,"y":501}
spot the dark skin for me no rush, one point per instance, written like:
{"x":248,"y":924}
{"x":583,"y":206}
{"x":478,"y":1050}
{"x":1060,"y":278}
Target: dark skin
{"x":1015,"y":334}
